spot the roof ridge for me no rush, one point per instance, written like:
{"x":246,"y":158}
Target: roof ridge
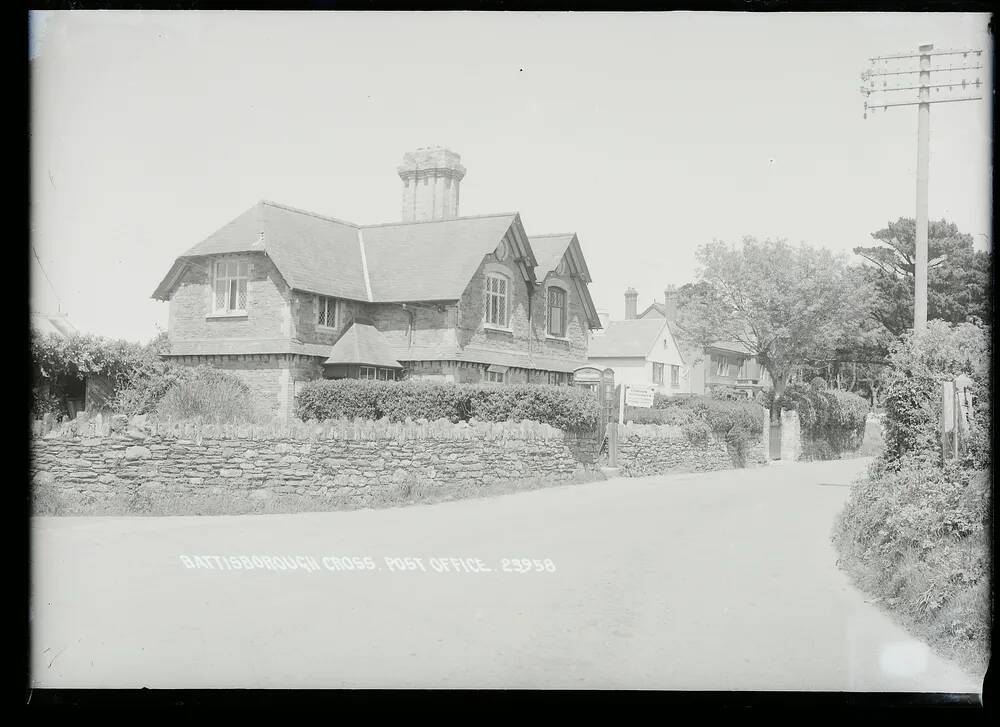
{"x":289,"y":208}
{"x":554,"y":234}
{"x":451,"y":219}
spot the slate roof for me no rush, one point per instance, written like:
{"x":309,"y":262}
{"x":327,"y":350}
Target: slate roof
{"x":390,"y":263}
{"x":549,"y":250}
{"x":58,"y":324}
{"x":423,"y":261}
{"x":732,"y":346}
{"x":362,"y":343}
{"x":626,"y":339}
{"x":476,"y":354}
{"x":658,"y":308}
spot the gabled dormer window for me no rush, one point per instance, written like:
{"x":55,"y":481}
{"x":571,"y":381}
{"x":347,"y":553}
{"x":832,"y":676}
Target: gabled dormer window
{"x":326,"y":311}
{"x":229,"y":285}
{"x":496,"y":300}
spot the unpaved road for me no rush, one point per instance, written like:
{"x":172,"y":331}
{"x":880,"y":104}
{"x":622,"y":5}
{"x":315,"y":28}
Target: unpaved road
{"x":719,"y":581}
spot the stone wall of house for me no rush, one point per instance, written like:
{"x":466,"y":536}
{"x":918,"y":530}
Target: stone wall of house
{"x":305,"y":317}
{"x":343,"y":463}
{"x":268,"y":315}
{"x":527,"y":332}
{"x":650,"y":449}
{"x":273,"y":377}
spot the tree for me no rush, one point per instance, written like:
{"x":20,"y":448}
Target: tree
{"x":787,"y":305}
{"x":958,"y":280}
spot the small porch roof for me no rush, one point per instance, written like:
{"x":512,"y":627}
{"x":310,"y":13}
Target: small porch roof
{"x":361,"y":343}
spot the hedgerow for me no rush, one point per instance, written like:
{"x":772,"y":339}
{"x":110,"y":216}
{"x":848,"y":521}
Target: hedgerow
{"x":915,"y":530}
{"x":832,"y":421}
{"x":559,"y":406}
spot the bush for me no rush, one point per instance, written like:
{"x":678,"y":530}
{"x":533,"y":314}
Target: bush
{"x":834,"y":417}
{"x":697,"y":432}
{"x":207,"y":395}
{"x":916,"y":536}
{"x":738,"y":444}
{"x":918,"y":366}
{"x":564,"y":407}
{"x":559,"y":406}
{"x":915,"y":531}
{"x":813,"y":449}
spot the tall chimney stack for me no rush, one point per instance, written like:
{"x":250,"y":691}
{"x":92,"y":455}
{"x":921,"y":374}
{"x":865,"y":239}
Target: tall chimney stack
{"x":670,"y":303}
{"x":631,"y":297}
{"x":431,"y":177}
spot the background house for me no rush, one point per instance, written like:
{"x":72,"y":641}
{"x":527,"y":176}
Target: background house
{"x":641,"y":351}
{"x":280,"y":296}
{"x":722,"y":363}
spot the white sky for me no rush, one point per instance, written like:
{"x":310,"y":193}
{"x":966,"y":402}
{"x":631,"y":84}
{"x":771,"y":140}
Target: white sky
{"x":646,"y":133}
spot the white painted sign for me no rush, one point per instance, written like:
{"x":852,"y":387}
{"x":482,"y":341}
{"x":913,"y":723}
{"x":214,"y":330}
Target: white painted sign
{"x":641,"y":396}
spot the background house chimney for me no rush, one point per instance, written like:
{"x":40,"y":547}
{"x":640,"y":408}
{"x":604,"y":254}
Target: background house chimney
{"x":670,"y":303}
{"x":431,"y":177}
{"x":630,"y":303}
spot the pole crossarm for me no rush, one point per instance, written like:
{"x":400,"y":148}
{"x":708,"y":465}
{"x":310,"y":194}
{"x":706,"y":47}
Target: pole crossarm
{"x":960,"y":52}
{"x":872,"y":74}
{"x":920,"y":103}
{"x":868,"y":91}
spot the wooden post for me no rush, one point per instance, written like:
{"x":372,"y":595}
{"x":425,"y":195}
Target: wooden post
{"x":612,"y":444}
{"x":947,"y":416}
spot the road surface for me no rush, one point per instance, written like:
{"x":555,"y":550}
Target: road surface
{"x":716,"y":581}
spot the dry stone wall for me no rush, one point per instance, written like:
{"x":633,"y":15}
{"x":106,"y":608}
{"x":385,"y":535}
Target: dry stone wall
{"x":649,"y":449}
{"x":346,"y":463}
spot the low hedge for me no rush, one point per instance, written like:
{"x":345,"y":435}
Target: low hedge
{"x":721,"y":415}
{"x":832,"y":421}
{"x":559,"y":406}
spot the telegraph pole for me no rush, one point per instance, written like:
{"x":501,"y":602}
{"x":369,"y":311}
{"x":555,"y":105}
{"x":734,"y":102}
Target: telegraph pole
{"x":884,"y":77}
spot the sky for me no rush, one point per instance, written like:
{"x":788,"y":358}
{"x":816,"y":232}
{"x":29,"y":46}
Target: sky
{"x":647,"y":134}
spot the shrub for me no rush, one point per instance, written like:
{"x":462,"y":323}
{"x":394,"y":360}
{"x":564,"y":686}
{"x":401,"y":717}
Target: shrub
{"x":697,"y":432}
{"x":738,"y":444}
{"x":207,"y":395}
{"x":918,"y":366}
{"x":813,"y":449}
{"x":727,"y":393}
{"x":564,"y":407}
{"x":559,"y":406}
{"x":834,"y":417}
{"x":916,"y":536}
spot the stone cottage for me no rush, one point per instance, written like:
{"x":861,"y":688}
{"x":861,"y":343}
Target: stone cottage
{"x":281,"y":296}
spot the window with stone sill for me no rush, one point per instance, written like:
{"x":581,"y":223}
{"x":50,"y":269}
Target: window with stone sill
{"x":326,"y":311}
{"x":557,"y":312}
{"x":229,"y":286}
{"x":496,"y":301}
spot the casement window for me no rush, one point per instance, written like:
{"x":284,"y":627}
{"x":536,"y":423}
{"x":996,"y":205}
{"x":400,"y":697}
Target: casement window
{"x":557,"y":312}
{"x":326,"y":311}
{"x":494,"y":377}
{"x":744,"y":369}
{"x":229,"y":286}
{"x":373,"y":373}
{"x":555,"y":378}
{"x":496,"y":300}
{"x":675,"y":376}
{"x":722,"y":369}
{"x":657,"y":373}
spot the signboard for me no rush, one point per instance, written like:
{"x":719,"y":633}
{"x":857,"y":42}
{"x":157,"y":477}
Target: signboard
{"x":641,"y":396}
